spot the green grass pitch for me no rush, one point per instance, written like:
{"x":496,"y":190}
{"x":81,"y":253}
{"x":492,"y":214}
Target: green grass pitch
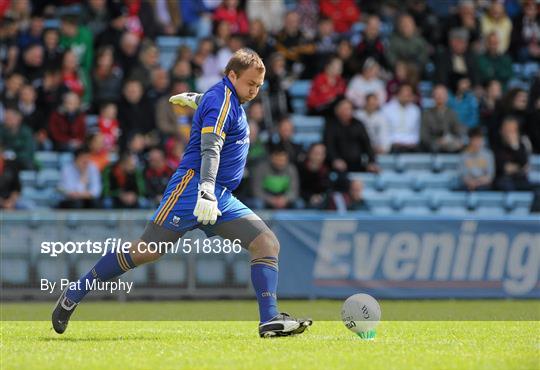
{"x":191,"y":344}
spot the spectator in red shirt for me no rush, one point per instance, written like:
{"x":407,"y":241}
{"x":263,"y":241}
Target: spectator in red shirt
{"x":108,"y":125}
{"x":228,"y":11}
{"x":67,"y":126}
{"x":344,"y":13}
{"x":326,"y":88}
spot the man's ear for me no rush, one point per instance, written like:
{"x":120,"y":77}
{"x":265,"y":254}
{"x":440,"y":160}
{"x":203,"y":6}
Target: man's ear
{"x":232,"y":76}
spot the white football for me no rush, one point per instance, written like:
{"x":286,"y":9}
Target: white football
{"x":361,"y":313}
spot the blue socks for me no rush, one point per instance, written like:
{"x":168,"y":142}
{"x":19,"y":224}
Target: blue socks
{"x":111,"y":265}
{"x":264,"y":276}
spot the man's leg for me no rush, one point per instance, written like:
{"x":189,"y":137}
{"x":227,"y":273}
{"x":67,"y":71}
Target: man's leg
{"x":108,"y":267}
{"x":263,"y":246}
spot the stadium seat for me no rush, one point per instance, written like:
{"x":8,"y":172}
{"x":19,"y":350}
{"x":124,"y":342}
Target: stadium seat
{"x":300,"y":89}
{"x":306,"y":139}
{"x":487,"y":199}
{"x":47,"y":159}
{"x":168,"y":48}
{"x":368,"y":179}
{"x":92,"y":123}
{"x":535,"y":163}
{"x":171,"y":271}
{"x":48,"y":178}
{"x":444,"y":162}
{"x":309,"y":124}
{"x":28,"y":178}
{"x":406,"y":162}
{"x":518,"y":199}
{"x":52,"y":269}
{"x":14,"y":270}
{"x":387,"y":162}
{"x":241,"y":272}
{"x":210,"y":271}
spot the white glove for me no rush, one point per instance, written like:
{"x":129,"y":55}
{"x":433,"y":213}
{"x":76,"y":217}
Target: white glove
{"x":206,"y":210}
{"x":189,"y":99}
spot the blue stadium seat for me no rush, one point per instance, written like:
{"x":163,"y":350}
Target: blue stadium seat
{"x":210,"y":271}
{"x":14,"y":270}
{"x":487,"y":199}
{"x":52,"y":269}
{"x":47,"y":159}
{"x":300,"y":88}
{"x":444,"y":162}
{"x":48,"y":178}
{"x":406,"y":162}
{"x":171,"y":271}
{"x":535,"y":163}
{"x":393,"y":180}
{"x":168,"y":48}
{"x":92,"y":123}
{"x":28,"y":178}
{"x":368,"y":179}
{"x":64,"y":159}
{"x":306,"y":139}
{"x":387,"y":162}
{"x":309,"y":124}
{"x":241,"y":272}
{"x":425,"y":88}
{"x":518,"y":199}
{"x":299,"y":105}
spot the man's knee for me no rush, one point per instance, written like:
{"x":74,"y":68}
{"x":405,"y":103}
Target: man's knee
{"x":141,"y":255}
{"x":265,"y":244}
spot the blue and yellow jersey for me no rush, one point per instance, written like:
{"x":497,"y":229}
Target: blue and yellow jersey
{"x":221,"y":113}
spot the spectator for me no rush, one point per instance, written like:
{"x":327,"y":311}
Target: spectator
{"x":17,"y":138}
{"x":343,"y":13}
{"x":325,"y":46}
{"x":326,"y":88}
{"x":493,"y":65}
{"x":106,"y":77}
{"x":403,"y":117}
{"x":308,"y":12}
{"x":496,"y":21}
{"x":256,"y":115}
{"x":375,"y":123}
{"x":230,"y":12}
{"x":135,"y":113}
{"x":10,"y":94}
{"x":182,"y":71}
{"x":10,"y":185}
{"x":173,"y":118}
{"x":347,"y":141}
{"x":284,"y":139}
{"x":514,"y":104}
{"x":95,"y":15}
{"x":75,"y":79}
{"x":196,"y":18}
{"x":140,"y":18}
{"x":426,"y":20}
{"x":464,"y":103}
{"x":108,"y":126}
{"x":277,"y":94}
{"x":350,"y":200}
{"x":293,"y":43}
{"x":371,"y":44}
{"x":275,"y":183}
{"x":148,"y":61}
{"x":31,"y":65}
{"x":174,"y":149}
{"x":488,"y":104}
{"x":222,"y":34}
{"x":441,"y":130}
{"x":156,"y":175}
{"x":407,"y":45}
{"x":78,"y":38}
{"x":345,"y":52}
{"x":476,"y":166}
{"x":512,"y":159}
{"x":259,"y":39}
{"x":159,"y":85}
{"x":224,"y":54}
{"x":404,"y":73}
{"x":315,"y":177}
{"x":53,"y":51}
{"x":525,"y":39}
{"x":205,"y":66}
{"x":457,"y":62}
{"x":270,"y":13}
{"x":99,"y":155}
{"x":123,"y":183}
{"x":8,"y":46}
{"x":466,"y":18}
{"x":49,"y":93}
{"x":368,"y":82}
{"x":80,"y":182}
{"x":168,"y":17}
{"x":128,"y":52}
{"x":531,"y":128}
{"x":33,"y":116}
{"x":67,"y":125}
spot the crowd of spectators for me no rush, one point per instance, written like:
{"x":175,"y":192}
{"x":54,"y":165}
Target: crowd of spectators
{"x":63,"y":61}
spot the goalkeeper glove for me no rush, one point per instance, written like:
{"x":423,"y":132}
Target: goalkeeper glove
{"x":206,"y":210}
{"x":189,"y":99}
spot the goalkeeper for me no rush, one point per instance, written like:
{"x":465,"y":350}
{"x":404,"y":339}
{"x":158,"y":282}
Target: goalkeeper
{"x":199,"y":194}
